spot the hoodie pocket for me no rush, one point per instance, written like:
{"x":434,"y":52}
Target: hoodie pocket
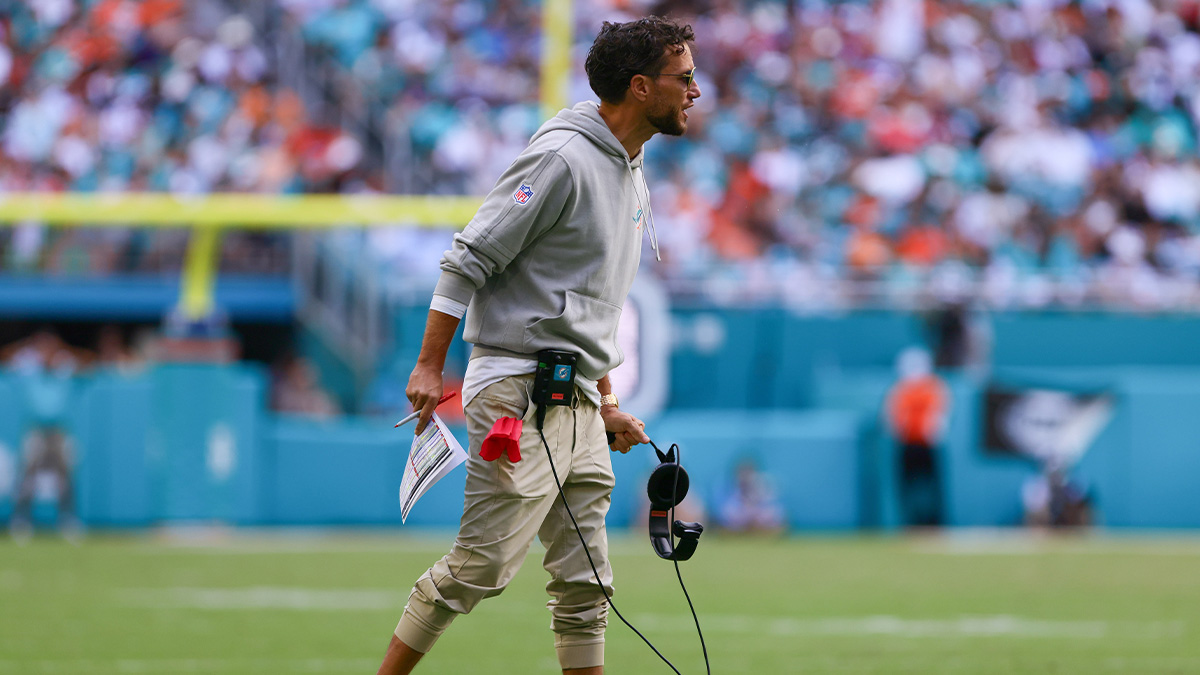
{"x":586,"y":324}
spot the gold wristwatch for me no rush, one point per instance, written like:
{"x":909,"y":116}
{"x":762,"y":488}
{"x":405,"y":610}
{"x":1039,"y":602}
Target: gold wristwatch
{"x":609,"y":399}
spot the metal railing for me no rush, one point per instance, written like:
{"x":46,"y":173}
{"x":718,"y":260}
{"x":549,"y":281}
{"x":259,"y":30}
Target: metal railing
{"x":342,"y":302}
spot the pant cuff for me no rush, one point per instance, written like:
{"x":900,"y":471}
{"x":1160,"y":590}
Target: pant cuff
{"x":580,"y":654}
{"x":416,"y":634}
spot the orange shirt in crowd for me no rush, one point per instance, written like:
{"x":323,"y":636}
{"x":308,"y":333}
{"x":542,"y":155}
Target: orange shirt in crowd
{"x":916,"y":408}
{"x":923,"y":246}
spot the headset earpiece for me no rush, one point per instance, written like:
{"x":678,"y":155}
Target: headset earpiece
{"x":667,"y":487}
{"x":663,"y":488}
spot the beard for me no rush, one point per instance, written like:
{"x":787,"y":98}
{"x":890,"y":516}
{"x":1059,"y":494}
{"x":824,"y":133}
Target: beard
{"x":668,"y":120}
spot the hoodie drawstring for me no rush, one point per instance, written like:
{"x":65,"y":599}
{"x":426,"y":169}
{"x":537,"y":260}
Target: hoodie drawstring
{"x":645,"y":207}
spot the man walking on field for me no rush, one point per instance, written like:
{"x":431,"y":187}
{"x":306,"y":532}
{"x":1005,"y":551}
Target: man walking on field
{"x":547,"y":263}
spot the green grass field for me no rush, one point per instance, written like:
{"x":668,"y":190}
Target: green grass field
{"x":276,"y":602}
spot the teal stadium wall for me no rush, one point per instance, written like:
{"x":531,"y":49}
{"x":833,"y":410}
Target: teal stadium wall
{"x":799,"y":395}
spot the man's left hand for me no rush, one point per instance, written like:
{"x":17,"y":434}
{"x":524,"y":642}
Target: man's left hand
{"x":628,"y":429}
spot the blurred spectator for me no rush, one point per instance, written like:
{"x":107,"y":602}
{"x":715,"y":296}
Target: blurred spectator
{"x":1053,"y":499}
{"x":112,"y":351}
{"x":295,"y":389}
{"x":960,"y":338}
{"x":749,"y":502}
{"x":45,"y":367}
{"x":917,"y":411}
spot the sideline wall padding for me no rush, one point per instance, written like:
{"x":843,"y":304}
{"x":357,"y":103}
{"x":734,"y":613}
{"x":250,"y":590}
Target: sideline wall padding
{"x":347,"y":472}
{"x":195,"y":442}
{"x":204,"y":445}
{"x":114,"y":467}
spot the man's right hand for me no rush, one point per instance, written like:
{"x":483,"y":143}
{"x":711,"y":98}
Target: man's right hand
{"x":424,"y":390}
{"x":425,"y":384}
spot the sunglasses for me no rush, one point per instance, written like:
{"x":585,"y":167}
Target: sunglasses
{"x":688,"y":77}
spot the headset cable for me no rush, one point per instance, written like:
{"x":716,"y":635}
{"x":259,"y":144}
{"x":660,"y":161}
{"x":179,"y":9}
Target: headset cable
{"x":678,"y":574}
{"x":561,"y":494}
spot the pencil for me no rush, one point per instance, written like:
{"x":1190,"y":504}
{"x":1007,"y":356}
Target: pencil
{"x":417,"y":413}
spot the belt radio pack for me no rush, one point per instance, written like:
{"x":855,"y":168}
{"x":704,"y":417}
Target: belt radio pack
{"x":554,"y":381}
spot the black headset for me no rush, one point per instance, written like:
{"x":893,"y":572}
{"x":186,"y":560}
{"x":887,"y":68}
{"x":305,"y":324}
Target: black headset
{"x":667,"y":487}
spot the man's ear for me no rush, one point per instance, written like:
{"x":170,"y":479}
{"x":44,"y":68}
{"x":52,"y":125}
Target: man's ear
{"x":639,"y":87}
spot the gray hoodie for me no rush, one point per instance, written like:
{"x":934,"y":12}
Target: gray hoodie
{"x":548,"y":260}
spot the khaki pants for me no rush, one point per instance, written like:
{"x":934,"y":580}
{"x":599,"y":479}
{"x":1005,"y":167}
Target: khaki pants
{"x":506,"y":505}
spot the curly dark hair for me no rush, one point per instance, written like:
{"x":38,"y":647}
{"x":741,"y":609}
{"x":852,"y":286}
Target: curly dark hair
{"x":623,"y":50}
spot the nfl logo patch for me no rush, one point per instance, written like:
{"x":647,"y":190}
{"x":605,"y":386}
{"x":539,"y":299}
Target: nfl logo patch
{"x":522,"y":195}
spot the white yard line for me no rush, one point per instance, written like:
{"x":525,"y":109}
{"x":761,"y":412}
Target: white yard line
{"x":301,"y":540}
{"x":892,"y":626}
{"x":292,"y":543}
{"x":263,"y":598}
{"x":86,"y":666}
{"x":189,"y":666}
{"x":272,"y":598}
{"x":985,"y":542}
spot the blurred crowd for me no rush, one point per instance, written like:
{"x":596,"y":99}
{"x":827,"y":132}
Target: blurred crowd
{"x":1026,"y":154}
{"x":148,"y":95}
{"x":45,"y":351}
{"x":900,"y":152}
{"x":47,"y":363}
